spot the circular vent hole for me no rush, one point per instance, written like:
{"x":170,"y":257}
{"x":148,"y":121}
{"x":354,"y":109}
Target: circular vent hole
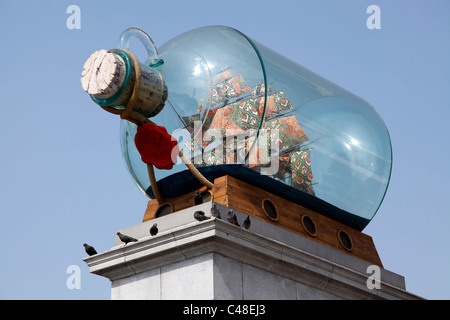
{"x":206,"y":196}
{"x":164,"y":209}
{"x":309,"y":225}
{"x":345,"y":240}
{"x":270,"y":210}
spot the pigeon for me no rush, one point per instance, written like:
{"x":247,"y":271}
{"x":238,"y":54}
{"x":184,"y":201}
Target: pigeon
{"x":89,"y":249}
{"x":215,"y":211}
{"x":198,"y":199}
{"x":125,"y":239}
{"x":231,"y":217}
{"x":246,"y":223}
{"x":154,"y":229}
{"x":200,"y":216}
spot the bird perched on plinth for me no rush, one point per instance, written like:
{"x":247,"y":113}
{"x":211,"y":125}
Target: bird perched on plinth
{"x":246,"y":223}
{"x":198,"y":199}
{"x":154,"y":229}
{"x":215,"y":211}
{"x":126,"y":239}
{"x":231,"y":217}
{"x":89,"y":249}
{"x":200,"y":216}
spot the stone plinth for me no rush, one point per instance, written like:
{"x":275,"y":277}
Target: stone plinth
{"x":214,"y":259}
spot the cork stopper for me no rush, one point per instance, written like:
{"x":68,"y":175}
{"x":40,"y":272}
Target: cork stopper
{"x":103,"y":77}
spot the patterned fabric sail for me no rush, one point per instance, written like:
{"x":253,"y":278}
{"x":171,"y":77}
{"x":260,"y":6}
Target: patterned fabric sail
{"x":235,"y":116}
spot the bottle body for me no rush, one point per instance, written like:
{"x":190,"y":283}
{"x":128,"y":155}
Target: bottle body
{"x":235,"y":103}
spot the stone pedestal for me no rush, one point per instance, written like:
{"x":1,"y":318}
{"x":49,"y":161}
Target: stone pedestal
{"x":214,"y":259}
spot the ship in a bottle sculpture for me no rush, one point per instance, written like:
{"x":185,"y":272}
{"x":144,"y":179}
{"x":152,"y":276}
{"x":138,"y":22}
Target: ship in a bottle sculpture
{"x":213,"y":102}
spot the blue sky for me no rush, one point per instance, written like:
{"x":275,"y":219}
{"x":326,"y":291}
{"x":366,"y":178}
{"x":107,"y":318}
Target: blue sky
{"x":63,"y":181}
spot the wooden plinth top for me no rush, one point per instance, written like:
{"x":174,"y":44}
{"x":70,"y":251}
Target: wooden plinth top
{"x":260,"y":204}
